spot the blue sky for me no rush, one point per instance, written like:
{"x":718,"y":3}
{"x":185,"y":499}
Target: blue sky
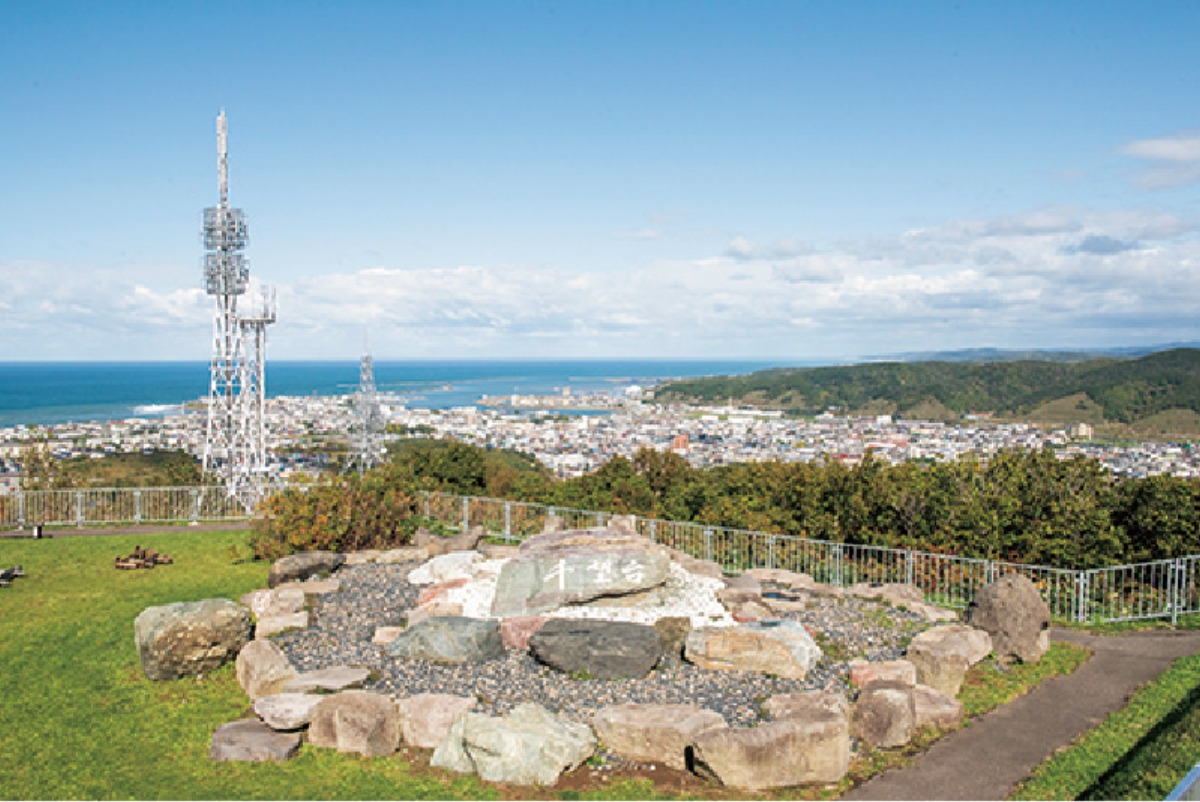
{"x":499,"y":179}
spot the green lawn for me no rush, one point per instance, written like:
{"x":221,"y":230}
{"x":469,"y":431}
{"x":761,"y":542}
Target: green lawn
{"x":81,"y":721}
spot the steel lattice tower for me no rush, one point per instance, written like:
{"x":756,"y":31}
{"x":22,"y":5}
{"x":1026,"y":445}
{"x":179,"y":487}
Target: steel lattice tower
{"x":368,"y":421}
{"x":234,"y":445}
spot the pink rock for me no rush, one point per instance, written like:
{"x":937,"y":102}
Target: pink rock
{"x":515,"y":632}
{"x":863,"y":672}
{"x":436,"y":592}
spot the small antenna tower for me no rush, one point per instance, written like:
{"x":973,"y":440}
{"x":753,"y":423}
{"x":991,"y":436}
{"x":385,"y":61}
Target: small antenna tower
{"x":367,"y":431}
{"x":234,"y":444}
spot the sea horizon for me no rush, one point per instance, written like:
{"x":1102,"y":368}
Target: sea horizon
{"x":42,"y":393}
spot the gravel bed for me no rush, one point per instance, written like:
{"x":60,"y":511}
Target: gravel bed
{"x":375,"y":595}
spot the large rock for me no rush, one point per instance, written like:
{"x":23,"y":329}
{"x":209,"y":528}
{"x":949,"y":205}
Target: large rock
{"x":449,"y":639}
{"x":356,"y":721}
{"x":515,"y":632}
{"x":672,"y":632}
{"x":274,"y":601}
{"x":791,"y":585}
{"x":299,"y":567}
{"x":782,"y":648}
{"x":885,"y":714}
{"x":327,"y":680}
{"x":744,"y":605}
{"x":807,"y":703}
{"x":863,"y":672}
{"x":263,"y":669}
{"x":813,"y":748}
{"x":190,"y":638}
{"x":559,"y":568}
{"x":901,"y":594}
{"x":437,"y":545}
{"x":425,"y":719}
{"x":652,"y":733}
{"x":943,"y":654}
{"x":1015,"y":615}
{"x":286,"y":711}
{"x":269,"y":625}
{"x":454,"y":565}
{"x":933,"y":708}
{"x":529,"y":746}
{"x":602,"y":649}
{"x":251,"y":740}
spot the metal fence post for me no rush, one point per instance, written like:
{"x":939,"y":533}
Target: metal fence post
{"x":708,"y":544}
{"x":908,"y":567}
{"x":195,"y":506}
{"x":837,"y":564}
{"x":508,"y":520}
{"x":466,"y":513}
{"x":1083,"y":582}
{"x":653,"y":530}
{"x":1179,"y":574}
{"x":20,"y":509}
{"x":79,"y":518}
{"x":137,"y":506}
{"x":770,"y":551}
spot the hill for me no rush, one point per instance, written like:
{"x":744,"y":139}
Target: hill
{"x":1125,"y":393}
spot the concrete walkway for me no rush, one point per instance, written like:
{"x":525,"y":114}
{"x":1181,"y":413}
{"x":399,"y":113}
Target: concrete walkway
{"x":999,"y":750}
{"x":131,"y":529}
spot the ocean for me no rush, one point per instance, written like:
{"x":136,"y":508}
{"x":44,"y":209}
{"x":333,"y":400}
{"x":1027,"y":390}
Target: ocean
{"x":60,"y":392}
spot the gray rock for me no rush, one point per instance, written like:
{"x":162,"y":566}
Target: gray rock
{"x":943,"y":654}
{"x":900,"y":594}
{"x":449,"y":639}
{"x":672,"y":632}
{"x":807,"y":703}
{"x":529,"y":746}
{"x":863,"y":672}
{"x":439,"y":544}
{"x":425,"y":719}
{"x":286,"y":711}
{"x":602,"y":649}
{"x":1016,"y":617}
{"x":799,"y":749}
{"x":783,"y":648}
{"x":790,"y":584}
{"x":328,"y":680}
{"x":274,"y":601}
{"x":356,"y":721}
{"x":263,"y":669}
{"x":269,"y":625}
{"x":884,"y":715}
{"x":251,"y":740}
{"x":299,"y":567}
{"x":933,"y":708}
{"x":650,"y":733}
{"x":190,"y":638}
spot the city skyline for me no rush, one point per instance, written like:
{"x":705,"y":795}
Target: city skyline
{"x":541,"y":180}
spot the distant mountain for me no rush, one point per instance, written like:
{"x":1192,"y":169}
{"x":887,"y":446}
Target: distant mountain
{"x":1158,"y":390}
{"x":1010,"y":355}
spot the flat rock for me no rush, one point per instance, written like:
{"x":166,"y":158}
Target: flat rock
{"x":252,"y":741}
{"x":299,"y":567}
{"x":529,"y":746}
{"x":329,"y":680}
{"x":437,"y":545}
{"x":425,"y":719}
{"x":363,"y":557}
{"x":263,"y":669}
{"x":434,"y":609}
{"x":187,"y":639}
{"x":455,"y":565}
{"x":385,"y":635}
{"x":449,"y":639}
{"x":270,"y":625}
{"x":807,"y":704}
{"x":356,"y":721}
{"x":744,"y":605}
{"x":497,"y":551}
{"x":796,"y":750}
{"x":286,"y":711}
{"x":783,"y":648}
{"x":653,"y":733}
{"x":884,"y":714}
{"x":901,"y":594}
{"x":274,"y":601}
{"x":933,"y":708}
{"x":943,"y":654}
{"x":601,"y":649}
{"x":404,"y":555}
{"x":791,"y":583}
{"x":863,"y":672}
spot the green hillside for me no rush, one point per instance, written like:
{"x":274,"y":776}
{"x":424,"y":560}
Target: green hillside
{"x":1123,"y":391}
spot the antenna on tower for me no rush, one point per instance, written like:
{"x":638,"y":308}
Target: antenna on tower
{"x":235,"y":441}
{"x":368,"y":423}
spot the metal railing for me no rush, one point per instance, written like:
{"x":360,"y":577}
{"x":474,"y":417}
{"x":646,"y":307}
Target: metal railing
{"x":1159,"y":589}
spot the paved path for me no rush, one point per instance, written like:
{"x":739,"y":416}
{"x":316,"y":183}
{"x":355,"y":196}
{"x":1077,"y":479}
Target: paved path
{"x":999,"y":750}
{"x":140,"y":529}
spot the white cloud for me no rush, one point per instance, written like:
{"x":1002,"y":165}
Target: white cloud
{"x":1174,"y":160}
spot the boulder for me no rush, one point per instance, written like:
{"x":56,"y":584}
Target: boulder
{"x":943,"y":654}
{"x":437,"y":545}
{"x":356,"y":721}
{"x":251,"y":740}
{"x":425,"y":719}
{"x":328,"y":680}
{"x":931,"y":707}
{"x":694,"y":565}
{"x":263,"y":669}
{"x":812,"y":748}
{"x":299,"y":567}
{"x":529,"y":746}
{"x":515,"y":632}
{"x":672,"y":637}
{"x":602,"y":649}
{"x":782,"y":648}
{"x":1014,"y":614}
{"x":270,"y":625}
{"x":187,"y":639}
{"x":807,"y":703}
{"x":551,"y":570}
{"x":449,"y":639}
{"x":286,"y":711}
{"x":884,"y":714}
{"x":434,"y":609}
{"x":653,"y":733}
{"x":454,"y":565}
{"x":274,"y":601}
{"x":863,"y":672}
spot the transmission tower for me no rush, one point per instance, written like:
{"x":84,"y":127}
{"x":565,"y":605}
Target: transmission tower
{"x":367,"y":431}
{"x":234,"y":445}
